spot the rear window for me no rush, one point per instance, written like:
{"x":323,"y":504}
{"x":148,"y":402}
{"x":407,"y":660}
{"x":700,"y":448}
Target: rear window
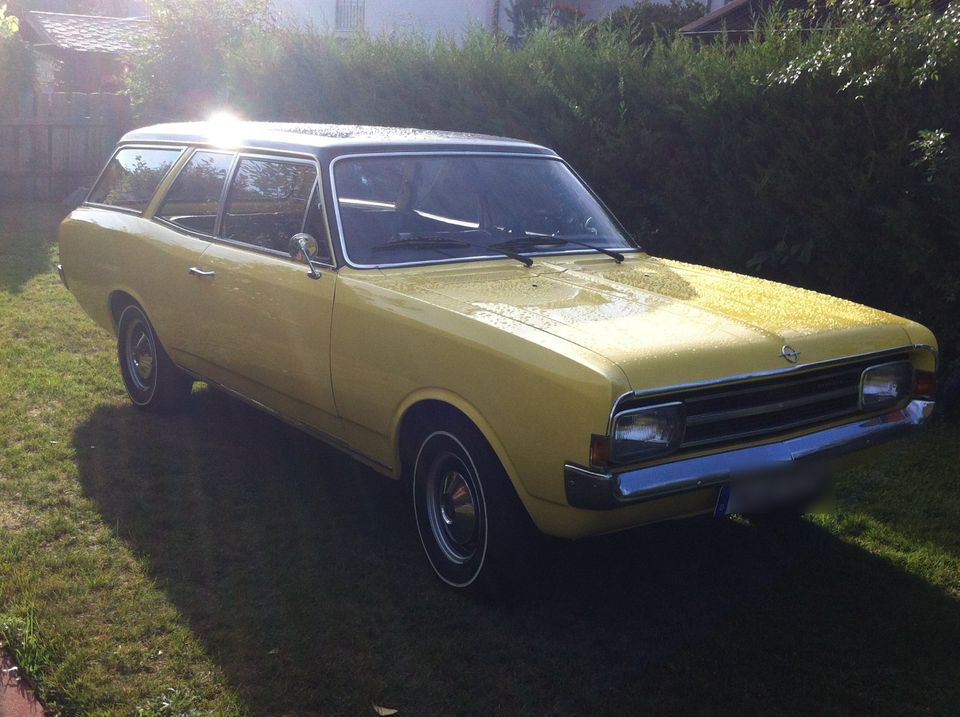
{"x":132,"y":176}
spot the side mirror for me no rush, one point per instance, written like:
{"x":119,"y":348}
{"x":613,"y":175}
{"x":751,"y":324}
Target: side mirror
{"x":304,"y":246}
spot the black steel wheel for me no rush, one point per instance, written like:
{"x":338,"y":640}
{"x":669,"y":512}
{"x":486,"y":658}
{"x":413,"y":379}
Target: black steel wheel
{"x":474,"y":530}
{"x":152,"y":380}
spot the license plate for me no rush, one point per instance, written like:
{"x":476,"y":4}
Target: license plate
{"x":759,"y":492}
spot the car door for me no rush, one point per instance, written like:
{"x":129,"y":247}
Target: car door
{"x":268,"y":317}
{"x":142,"y":258}
{"x":183,"y":227}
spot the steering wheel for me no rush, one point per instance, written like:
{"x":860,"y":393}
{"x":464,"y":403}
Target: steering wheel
{"x":539,"y":221}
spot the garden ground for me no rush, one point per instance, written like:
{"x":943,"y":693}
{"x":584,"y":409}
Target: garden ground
{"x":220,"y":562}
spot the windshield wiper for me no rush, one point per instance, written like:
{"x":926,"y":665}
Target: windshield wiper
{"x":538,"y":239}
{"x":433,"y":241}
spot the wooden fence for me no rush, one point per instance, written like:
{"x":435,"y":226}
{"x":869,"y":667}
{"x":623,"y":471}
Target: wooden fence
{"x":52,"y":144}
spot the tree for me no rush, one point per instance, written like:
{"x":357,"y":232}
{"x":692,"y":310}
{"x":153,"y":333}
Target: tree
{"x":528,"y":16}
{"x":645,"y":21}
{"x":180,"y":70}
{"x":8,"y":24}
{"x":16,"y":63}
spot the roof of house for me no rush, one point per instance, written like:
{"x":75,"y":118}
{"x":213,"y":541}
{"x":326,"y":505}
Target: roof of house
{"x":292,"y":137}
{"x":86,"y":33}
{"x":738,"y":16}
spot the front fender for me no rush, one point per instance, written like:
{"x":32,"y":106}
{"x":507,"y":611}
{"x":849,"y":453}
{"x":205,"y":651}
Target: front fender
{"x":460,"y":403}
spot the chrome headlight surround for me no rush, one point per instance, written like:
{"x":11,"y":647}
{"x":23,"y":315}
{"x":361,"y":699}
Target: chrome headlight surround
{"x":885,"y":385}
{"x":647,"y":432}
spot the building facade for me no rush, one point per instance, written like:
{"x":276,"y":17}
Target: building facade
{"x":430,"y":18}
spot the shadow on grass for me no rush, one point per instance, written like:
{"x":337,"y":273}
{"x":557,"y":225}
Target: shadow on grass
{"x":910,"y":486}
{"x":27,"y":230}
{"x":301,"y":573}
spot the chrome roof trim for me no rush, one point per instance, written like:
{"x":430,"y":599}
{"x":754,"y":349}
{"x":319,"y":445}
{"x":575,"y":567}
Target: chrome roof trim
{"x":320,"y":137}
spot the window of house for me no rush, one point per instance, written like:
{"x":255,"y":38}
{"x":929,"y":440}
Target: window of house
{"x":194,"y":198}
{"x":132,"y":176}
{"x":267,"y":202}
{"x":350,"y":15}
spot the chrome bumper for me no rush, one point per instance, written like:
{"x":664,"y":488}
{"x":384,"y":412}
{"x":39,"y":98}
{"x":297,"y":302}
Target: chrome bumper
{"x":587,"y":488}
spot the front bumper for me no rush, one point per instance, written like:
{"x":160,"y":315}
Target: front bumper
{"x":598,"y":490}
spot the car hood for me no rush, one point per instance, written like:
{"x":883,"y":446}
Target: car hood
{"x":664,"y":322}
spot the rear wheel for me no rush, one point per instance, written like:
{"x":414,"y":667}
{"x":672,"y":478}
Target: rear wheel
{"x":152,"y":380}
{"x":474,"y":529}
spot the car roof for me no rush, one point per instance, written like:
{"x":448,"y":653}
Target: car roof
{"x":329,"y":139}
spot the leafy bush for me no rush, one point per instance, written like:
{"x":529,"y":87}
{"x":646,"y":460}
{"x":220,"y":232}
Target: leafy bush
{"x":528,"y":16}
{"x":8,"y":24}
{"x":646,"y":21}
{"x":827,"y":159}
{"x":180,"y":64}
{"x":16,"y":62}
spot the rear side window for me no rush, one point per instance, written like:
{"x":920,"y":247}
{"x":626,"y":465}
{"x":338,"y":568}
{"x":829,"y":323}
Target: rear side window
{"x":132,"y":176}
{"x":194,"y":197}
{"x":267,"y":202}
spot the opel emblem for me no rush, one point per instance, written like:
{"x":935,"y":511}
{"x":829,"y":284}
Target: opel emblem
{"x":790,"y":353}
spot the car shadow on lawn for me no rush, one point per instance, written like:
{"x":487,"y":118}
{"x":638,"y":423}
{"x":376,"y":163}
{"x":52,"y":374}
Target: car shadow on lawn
{"x":301,"y":573}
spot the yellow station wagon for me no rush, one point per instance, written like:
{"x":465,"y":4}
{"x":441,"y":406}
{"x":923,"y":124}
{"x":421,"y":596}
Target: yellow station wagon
{"x":462,"y":312}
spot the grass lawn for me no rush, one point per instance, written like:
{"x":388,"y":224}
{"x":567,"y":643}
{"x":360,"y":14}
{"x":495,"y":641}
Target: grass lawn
{"x":221,"y":563}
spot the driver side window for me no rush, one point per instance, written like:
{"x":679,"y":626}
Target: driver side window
{"x":267,"y":202}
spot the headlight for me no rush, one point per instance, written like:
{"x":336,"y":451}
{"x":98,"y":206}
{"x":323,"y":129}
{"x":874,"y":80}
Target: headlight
{"x":885,"y":385}
{"x":647,"y":432}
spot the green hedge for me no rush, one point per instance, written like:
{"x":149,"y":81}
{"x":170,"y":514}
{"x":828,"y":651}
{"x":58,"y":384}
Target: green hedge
{"x":828,"y":159}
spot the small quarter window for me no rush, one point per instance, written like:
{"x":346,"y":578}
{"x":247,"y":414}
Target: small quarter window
{"x":132,"y":177}
{"x":267,"y":202}
{"x":316,"y":226}
{"x":194,"y":197}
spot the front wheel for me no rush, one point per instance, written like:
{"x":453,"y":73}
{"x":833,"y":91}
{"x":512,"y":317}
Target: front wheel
{"x":474,"y":529}
{"x":152,"y":380}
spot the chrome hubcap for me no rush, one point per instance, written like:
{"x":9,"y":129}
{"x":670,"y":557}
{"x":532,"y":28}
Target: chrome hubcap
{"x":141,"y":355}
{"x":456,"y":508}
{"x":453,"y":510}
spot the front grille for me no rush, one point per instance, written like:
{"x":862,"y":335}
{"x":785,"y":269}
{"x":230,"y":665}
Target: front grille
{"x":727,"y":413}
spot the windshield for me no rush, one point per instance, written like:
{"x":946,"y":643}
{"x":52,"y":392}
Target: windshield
{"x":418,"y":208}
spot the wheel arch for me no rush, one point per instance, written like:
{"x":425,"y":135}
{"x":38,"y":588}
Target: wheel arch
{"x":117,"y":300}
{"x":422,"y":407}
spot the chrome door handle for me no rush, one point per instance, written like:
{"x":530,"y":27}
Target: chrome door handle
{"x":197,"y":271}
